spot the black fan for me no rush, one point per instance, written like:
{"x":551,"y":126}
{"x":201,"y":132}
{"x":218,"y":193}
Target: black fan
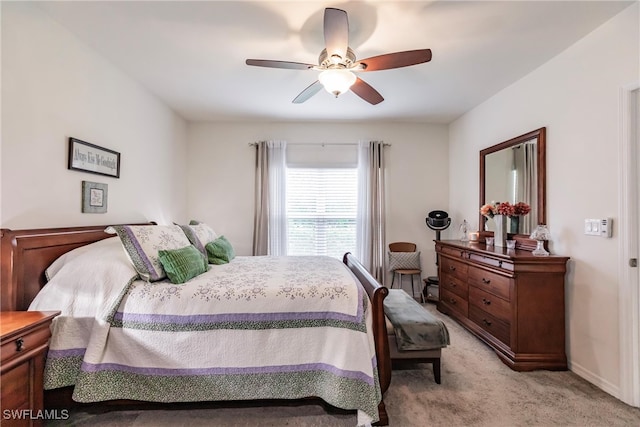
{"x":337,"y":62}
{"x":438,"y":221}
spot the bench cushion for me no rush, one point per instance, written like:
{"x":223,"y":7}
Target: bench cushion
{"x":415,"y":328}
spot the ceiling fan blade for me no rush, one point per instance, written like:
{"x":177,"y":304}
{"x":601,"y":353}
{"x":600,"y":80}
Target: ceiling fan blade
{"x":366,"y":92}
{"x":311,"y":90}
{"x":279,"y":64}
{"x":336,"y":32}
{"x":396,"y":60}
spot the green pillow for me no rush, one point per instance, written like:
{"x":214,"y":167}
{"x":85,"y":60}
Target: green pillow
{"x":183,"y":264}
{"x":220,"y":251}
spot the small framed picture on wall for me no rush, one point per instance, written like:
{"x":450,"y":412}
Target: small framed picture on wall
{"x":94,"y":197}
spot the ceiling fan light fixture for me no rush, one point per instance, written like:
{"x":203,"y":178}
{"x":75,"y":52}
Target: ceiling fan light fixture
{"x":337,"y":81}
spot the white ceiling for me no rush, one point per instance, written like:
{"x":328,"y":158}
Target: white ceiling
{"x":191,"y":54}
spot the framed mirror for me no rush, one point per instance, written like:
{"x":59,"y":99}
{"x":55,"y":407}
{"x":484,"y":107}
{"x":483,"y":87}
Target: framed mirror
{"x":515,"y":171}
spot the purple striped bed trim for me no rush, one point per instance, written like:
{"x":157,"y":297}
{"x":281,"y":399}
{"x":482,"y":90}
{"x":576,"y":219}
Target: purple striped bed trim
{"x":100,"y":367}
{"x":66,"y":353}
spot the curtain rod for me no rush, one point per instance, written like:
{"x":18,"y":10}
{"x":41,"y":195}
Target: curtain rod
{"x":255,"y":144}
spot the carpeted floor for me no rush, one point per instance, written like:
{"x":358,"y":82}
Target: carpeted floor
{"x":477,"y":390}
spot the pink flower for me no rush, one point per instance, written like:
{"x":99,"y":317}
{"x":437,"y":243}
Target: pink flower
{"x":505,"y":208}
{"x":488,"y":210}
{"x":521,"y":208}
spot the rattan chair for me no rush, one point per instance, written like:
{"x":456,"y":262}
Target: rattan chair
{"x":405,"y":261}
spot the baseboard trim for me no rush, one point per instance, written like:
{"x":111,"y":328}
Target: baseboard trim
{"x":596,"y":380}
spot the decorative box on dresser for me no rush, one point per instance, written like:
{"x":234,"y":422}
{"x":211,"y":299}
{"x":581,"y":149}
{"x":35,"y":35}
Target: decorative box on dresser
{"x":24,"y":341}
{"x":509,"y":298}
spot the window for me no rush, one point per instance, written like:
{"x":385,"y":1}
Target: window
{"x":321,"y":211}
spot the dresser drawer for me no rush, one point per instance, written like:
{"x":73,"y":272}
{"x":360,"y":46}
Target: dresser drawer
{"x":22,"y":344}
{"x":490,"y":303}
{"x":493,"y":262}
{"x":490,"y":282}
{"x":454,"y":252}
{"x":455,"y":285}
{"x":454,"y":302}
{"x":454,"y":268}
{"x":496,"y":327}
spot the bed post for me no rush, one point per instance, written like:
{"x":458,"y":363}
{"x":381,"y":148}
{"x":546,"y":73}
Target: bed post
{"x":377,"y":293}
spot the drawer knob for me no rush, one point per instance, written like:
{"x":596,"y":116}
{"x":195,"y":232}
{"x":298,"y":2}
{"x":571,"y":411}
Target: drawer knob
{"x":452,"y":268}
{"x":452,"y":284}
{"x":486,"y":281}
{"x":486,"y":322}
{"x":452,"y":301}
{"x":486,"y":301}
{"x":19,"y":344}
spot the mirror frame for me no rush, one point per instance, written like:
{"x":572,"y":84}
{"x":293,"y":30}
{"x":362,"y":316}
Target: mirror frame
{"x":540,"y":135}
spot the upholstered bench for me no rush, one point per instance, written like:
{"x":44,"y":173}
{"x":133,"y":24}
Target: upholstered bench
{"x":414,"y":334}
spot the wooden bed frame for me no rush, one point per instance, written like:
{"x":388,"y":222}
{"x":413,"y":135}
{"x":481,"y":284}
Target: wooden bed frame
{"x":25,"y":255}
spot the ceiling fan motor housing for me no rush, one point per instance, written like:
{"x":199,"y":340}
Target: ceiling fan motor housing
{"x":335,"y":61}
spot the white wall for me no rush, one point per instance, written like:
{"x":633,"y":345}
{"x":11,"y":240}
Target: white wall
{"x":576,"y":96}
{"x":54,"y":87}
{"x":221,"y":174}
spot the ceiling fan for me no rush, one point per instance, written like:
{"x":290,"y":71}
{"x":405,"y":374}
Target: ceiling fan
{"x":337,"y":62}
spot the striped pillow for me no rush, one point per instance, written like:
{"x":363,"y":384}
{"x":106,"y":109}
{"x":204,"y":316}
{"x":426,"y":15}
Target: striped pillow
{"x":404,"y":261}
{"x":183,"y":264}
{"x":199,"y":235}
{"x":142,"y":243}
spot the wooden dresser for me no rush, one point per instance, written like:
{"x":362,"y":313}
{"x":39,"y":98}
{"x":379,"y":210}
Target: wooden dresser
{"x":24,"y":341}
{"x":508,"y":298}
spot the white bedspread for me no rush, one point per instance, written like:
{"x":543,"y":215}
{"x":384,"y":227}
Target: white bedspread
{"x":257,"y":328}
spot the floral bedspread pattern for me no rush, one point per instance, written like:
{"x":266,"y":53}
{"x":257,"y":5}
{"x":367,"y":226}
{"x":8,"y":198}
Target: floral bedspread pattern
{"x":256,"y":328}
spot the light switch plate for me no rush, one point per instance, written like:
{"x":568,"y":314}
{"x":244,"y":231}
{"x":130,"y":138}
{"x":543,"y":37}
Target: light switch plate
{"x":592,"y":227}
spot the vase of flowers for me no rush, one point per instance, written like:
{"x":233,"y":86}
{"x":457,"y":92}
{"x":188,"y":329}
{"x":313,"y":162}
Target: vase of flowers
{"x":499,"y":213}
{"x":500,"y":233}
{"x":495,"y":211}
{"x":518,"y":210}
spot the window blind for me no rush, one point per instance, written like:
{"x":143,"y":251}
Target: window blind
{"x":321,"y":211}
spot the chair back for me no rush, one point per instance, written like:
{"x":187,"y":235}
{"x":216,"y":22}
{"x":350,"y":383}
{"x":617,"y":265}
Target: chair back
{"x":402,"y":247}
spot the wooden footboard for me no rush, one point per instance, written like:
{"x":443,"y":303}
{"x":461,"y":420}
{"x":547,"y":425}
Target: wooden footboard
{"x":377,"y":293}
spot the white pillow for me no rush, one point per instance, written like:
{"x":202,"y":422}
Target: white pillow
{"x":86,"y":281}
{"x":64,"y":259}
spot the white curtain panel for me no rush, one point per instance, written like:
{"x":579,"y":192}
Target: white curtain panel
{"x":530,"y":178}
{"x":371,"y":212}
{"x":270,"y":219}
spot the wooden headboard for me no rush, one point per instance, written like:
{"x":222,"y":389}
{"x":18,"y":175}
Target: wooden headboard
{"x":26,"y":254}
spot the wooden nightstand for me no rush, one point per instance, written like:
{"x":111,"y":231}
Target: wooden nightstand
{"x":24,"y":341}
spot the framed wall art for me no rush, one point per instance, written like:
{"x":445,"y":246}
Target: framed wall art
{"x":94,"y":197}
{"x":91,"y":158}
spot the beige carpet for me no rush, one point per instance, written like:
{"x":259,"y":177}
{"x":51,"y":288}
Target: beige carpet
{"x":477,"y":390}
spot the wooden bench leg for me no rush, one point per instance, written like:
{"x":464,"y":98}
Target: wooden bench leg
{"x":436,"y":371}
